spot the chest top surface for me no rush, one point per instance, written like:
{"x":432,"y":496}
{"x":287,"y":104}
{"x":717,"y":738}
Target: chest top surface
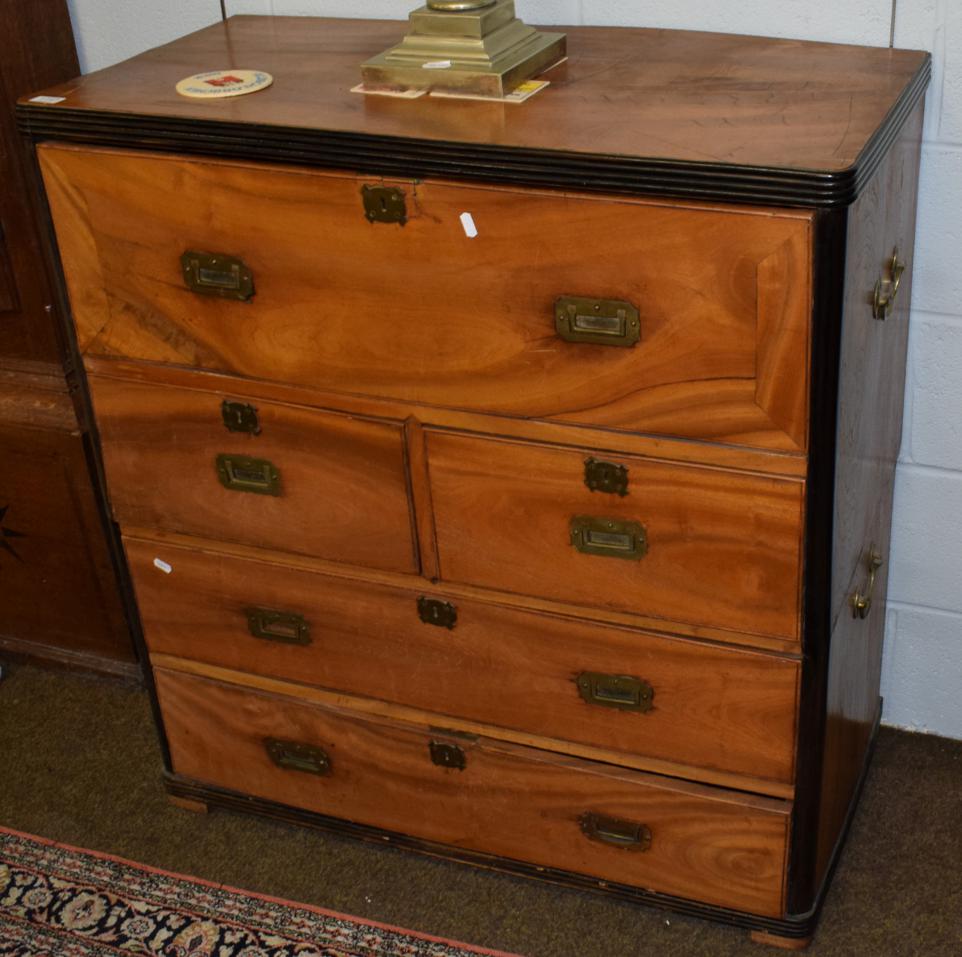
{"x":682,"y":111}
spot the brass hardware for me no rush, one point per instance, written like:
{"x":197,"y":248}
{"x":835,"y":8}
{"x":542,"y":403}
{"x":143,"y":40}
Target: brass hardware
{"x":433,"y":611}
{"x":616,"y":691}
{"x":861,"y":600}
{"x":216,"y":274}
{"x":240,"y":417}
{"x":448,"y":755}
{"x":295,"y":756}
{"x":606,"y":477}
{"x":478,"y":47}
{"x":627,"y":835}
{"x":384,"y":204}
{"x":604,"y":322}
{"x":280,"y":626}
{"x":887,"y":289}
{"x":239,"y":473}
{"x":611,"y":537}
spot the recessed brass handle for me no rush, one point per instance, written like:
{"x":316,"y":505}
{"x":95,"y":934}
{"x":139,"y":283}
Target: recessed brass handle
{"x":622,"y":692}
{"x":887,"y":289}
{"x":609,"y":537}
{"x":240,"y":473}
{"x":217,"y":274}
{"x":604,"y":322}
{"x":297,"y":756}
{"x":861,"y":600}
{"x":627,"y":835}
{"x":283,"y":627}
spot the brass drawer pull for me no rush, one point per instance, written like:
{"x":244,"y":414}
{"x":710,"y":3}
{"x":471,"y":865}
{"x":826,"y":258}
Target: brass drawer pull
{"x":216,"y":274}
{"x":861,"y":600}
{"x":622,"y":692}
{"x":239,"y":473}
{"x":295,"y":756}
{"x":610,"y":537}
{"x":280,"y":626}
{"x":627,"y":835}
{"x":605,"y":322}
{"x":887,"y":289}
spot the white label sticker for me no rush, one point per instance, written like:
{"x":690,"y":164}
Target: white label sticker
{"x":48,"y":100}
{"x":467,"y":221}
{"x":163,"y":566}
{"x":437,"y":65}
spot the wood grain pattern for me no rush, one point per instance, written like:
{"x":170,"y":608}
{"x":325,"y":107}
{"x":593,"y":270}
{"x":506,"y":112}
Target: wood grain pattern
{"x":668,"y":95}
{"x":724,"y":294}
{"x":343,"y":488}
{"x":872,"y":382}
{"x":724,"y":548}
{"x":706,"y":843}
{"x":454,"y":591}
{"x":790,"y":465}
{"x":719,"y":708}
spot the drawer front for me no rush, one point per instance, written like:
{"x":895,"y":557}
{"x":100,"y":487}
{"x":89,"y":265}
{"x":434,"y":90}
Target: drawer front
{"x":312,"y":482}
{"x":697,"y":545}
{"x":681,"y":839}
{"x":423,"y":313}
{"x":639,"y":694}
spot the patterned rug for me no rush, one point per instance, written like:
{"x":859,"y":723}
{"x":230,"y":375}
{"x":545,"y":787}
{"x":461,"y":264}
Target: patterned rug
{"x":60,"y":901}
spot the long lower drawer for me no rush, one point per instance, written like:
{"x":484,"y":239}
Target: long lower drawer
{"x":631,"y":692}
{"x":673,"y":837}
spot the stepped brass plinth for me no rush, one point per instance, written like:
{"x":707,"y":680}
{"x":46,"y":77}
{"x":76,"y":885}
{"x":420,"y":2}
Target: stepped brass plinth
{"x":468,"y":46}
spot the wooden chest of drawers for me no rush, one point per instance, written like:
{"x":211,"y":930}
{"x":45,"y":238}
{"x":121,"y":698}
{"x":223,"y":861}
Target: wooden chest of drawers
{"x":559,"y":547}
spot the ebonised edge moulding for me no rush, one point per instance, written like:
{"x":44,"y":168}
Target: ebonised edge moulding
{"x":447,"y":492}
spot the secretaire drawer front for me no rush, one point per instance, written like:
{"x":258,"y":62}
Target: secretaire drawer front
{"x":628,"y":691}
{"x":686,"y":543}
{"x":260,"y":473}
{"x":479,"y":795}
{"x":649,"y":316}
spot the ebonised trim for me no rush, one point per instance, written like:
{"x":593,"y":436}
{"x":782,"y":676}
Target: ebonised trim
{"x":418,"y":158}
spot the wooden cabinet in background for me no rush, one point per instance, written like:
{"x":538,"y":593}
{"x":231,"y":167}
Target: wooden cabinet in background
{"x":58,"y":595}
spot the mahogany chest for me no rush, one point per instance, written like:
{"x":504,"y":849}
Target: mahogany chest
{"x":511,"y":482}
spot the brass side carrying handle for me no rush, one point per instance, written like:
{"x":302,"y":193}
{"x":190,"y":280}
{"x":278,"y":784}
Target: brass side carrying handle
{"x":240,"y":473}
{"x":217,"y":274}
{"x":609,"y":537}
{"x":297,"y":756}
{"x":604,"y":322}
{"x":627,"y":835}
{"x":283,"y":627}
{"x":887,"y":289}
{"x":861,"y":600}
{"x":622,"y":692}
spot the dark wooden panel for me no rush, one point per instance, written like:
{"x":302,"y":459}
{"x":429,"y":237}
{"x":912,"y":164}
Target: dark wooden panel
{"x":715,"y":707}
{"x":724,"y":548}
{"x":645,"y":108}
{"x":706,"y":843}
{"x":56,"y":576}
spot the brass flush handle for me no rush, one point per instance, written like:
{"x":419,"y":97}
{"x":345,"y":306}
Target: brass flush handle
{"x":627,"y":835}
{"x":861,"y":600}
{"x":887,"y":289}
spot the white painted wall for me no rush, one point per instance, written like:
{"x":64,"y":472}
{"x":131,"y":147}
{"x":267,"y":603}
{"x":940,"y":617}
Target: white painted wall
{"x":922,"y":676}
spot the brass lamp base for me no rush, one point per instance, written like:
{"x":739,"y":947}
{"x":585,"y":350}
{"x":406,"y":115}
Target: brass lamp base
{"x":468,"y":46}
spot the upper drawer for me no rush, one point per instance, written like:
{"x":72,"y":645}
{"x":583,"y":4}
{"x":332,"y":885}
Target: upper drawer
{"x":424,"y":313}
{"x":313,"y":482}
{"x":692,"y":545}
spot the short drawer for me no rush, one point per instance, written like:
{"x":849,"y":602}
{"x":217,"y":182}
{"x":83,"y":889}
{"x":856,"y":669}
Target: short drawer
{"x":304,"y":481}
{"x":669,"y":318}
{"x":630,"y":692}
{"x":686,"y":543}
{"x":480,"y":795}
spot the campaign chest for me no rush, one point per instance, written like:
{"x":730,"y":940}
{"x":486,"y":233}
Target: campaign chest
{"x":511,"y":482}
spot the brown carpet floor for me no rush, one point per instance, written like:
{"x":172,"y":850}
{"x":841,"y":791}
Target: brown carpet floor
{"x":79,"y":763}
